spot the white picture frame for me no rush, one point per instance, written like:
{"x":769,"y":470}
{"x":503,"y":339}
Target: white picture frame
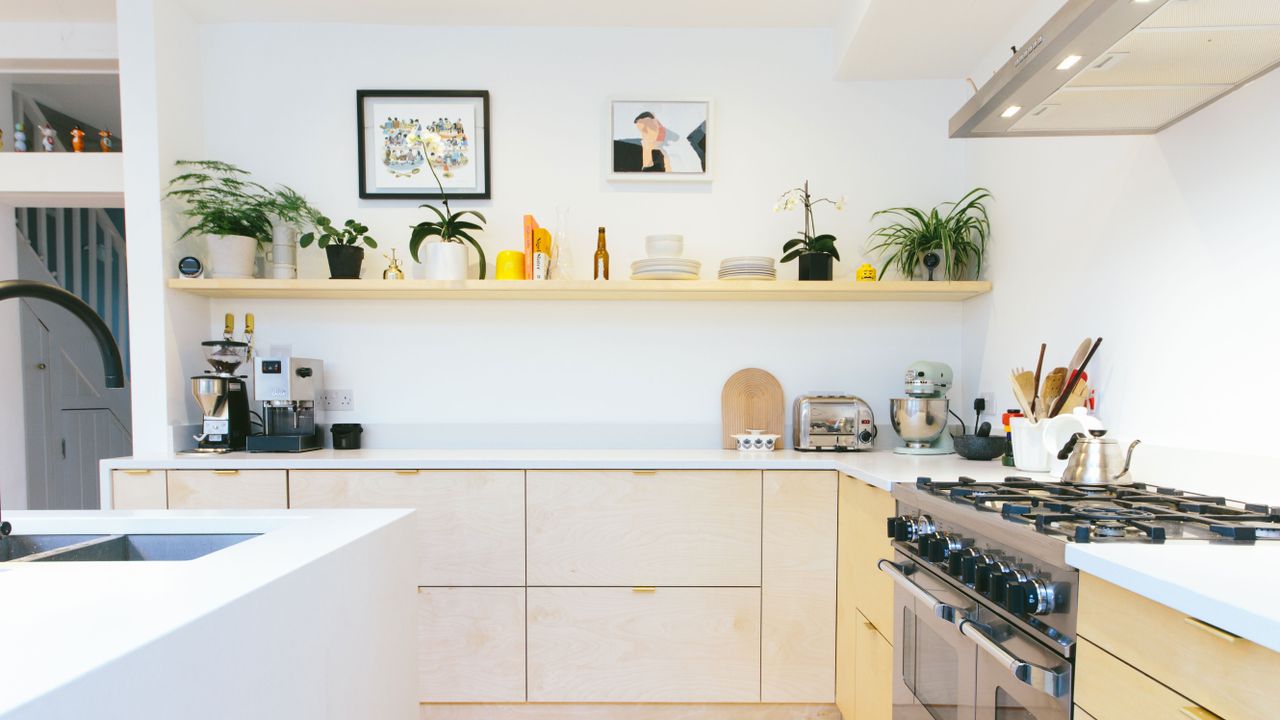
{"x":689,"y":119}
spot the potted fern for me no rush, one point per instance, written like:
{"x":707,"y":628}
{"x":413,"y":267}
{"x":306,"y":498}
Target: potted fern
{"x":342,"y":245}
{"x":447,"y":258}
{"x":953,"y":235}
{"x":230,"y":210}
{"x":813,"y":252}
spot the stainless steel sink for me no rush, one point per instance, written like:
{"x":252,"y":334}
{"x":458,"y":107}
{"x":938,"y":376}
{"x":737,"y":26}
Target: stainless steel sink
{"x":119,"y":548}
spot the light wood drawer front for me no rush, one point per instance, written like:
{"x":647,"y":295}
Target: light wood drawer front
{"x":1109,"y":689}
{"x":872,"y":589}
{"x":1228,"y":675}
{"x":1080,"y":714}
{"x":873,"y":681}
{"x":654,"y":645}
{"x":799,"y":587}
{"x":139,"y":490}
{"x":470,"y":523}
{"x":228,"y":489}
{"x":471,"y":644}
{"x":613,"y":528}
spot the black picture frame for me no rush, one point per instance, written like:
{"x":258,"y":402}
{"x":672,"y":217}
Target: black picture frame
{"x":484,"y":178}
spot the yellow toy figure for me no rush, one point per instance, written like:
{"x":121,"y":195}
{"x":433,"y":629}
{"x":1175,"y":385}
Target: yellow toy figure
{"x":77,"y":139}
{"x":866,"y":273}
{"x":105,"y":142}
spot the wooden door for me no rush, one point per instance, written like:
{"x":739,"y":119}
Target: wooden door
{"x":873,"y":673}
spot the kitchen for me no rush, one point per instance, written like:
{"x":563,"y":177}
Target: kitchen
{"x":586,"y":543}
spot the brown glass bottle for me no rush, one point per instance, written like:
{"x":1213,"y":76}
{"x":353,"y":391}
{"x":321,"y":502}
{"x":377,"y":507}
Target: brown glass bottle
{"x":600,"y":264}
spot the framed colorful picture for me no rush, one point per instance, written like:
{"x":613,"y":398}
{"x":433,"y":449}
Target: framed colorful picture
{"x":415,"y":142}
{"x":660,"y":140}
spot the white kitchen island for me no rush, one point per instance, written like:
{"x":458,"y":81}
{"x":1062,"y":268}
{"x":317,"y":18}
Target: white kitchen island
{"x":312,"y":618}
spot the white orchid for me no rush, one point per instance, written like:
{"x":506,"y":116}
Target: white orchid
{"x":788,"y":200}
{"x":809,"y":241}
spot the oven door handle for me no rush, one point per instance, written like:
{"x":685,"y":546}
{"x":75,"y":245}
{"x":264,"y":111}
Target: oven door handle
{"x":949,"y":613}
{"x":1054,"y":683}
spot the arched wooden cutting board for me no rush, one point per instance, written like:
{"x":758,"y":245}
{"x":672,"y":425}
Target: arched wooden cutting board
{"x":752,"y":400}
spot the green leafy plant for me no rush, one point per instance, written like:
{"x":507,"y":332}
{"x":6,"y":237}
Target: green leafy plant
{"x":222,"y":200}
{"x":290,"y":207}
{"x":449,"y":226}
{"x":325,"y":234}
{"x":957,"y":231}
{"x":809,"y":241}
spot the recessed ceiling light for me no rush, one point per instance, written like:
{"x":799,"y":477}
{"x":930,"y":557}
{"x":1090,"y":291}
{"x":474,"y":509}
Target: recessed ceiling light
{"x":1069,"y":62}
{"x":1011,"y":111}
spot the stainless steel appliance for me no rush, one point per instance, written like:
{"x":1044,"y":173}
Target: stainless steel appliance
{"x":223,"y":398}
{"x":832,"y":421}
{"x":1124,"y":67}
{"x":985,"y":604}
{"x":920,"y":419}
{"x":287,"y":388}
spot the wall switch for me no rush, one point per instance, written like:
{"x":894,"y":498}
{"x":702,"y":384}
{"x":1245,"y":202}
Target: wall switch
{"x":337,"y":400}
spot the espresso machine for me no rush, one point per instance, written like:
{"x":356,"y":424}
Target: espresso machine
{"x":287,"y":387}
{"x":222,"y":397}
{"x":920,"y":419}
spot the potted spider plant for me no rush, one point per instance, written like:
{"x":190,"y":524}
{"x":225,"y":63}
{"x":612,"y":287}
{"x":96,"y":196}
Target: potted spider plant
{"x":230,"y":210}
{"x":342,"y":245}
{"x":952,"y":235}
{"x":813,"y":252}
{"x":446,"y":258}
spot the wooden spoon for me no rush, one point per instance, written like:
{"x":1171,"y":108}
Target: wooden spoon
{"x":1076,"y":399}
{"x":1022,"y":389}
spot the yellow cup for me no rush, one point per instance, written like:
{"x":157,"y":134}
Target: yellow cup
{"x":510,"y":265}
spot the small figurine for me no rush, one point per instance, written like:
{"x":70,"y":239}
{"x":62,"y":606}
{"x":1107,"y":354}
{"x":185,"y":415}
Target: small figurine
{"x":105,"y":142}
{"x":19,"y":138}
{"x":866,"y":273}
{"x":47,"y":137}
{"x":77,"y":139}
{"x":393,"y":271}
{"x":1,"y":139}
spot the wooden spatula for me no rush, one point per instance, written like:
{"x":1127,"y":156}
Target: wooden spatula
{"x":1052,"y":388}
{"x":1024,"y":388}
{"x":1076,"y":399}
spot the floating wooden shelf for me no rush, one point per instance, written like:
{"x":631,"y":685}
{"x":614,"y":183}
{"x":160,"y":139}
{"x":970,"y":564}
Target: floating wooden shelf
{"x":737,"y":290}
{"x":60,"y":179}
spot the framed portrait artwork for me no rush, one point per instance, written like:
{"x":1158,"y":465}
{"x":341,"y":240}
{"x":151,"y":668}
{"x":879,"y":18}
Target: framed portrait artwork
{"x":660,"y":140}
{"x":405,"y":135}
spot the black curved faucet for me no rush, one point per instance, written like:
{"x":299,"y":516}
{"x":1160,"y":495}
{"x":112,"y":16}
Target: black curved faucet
{"x":113,"y":368}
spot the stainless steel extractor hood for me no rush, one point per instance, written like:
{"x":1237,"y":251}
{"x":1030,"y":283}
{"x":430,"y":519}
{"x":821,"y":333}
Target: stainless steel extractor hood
{"x":1124,"y":67}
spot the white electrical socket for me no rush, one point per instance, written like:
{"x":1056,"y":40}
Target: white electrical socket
{"x":337,"y":400}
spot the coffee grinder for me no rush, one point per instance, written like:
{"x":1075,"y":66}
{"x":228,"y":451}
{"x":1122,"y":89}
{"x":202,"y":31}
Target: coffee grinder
{"x":222,"y":397}
{"x":287,"y":388}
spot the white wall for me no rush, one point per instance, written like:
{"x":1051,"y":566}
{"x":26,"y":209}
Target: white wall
{"x":279,"y":100}
{"x":1166,"y":246}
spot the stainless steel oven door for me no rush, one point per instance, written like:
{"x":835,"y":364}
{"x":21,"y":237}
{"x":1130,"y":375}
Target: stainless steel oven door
{"x":1018,"y":678}
{"x":934,"y":664}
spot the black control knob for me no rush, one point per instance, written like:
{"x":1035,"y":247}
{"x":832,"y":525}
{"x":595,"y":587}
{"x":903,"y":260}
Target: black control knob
{"x":893,"y":528}
{"x":957,"y":561}
{"x":865,"y":436}
{"x":954,"y":562}
{"x":1019,"y":597}
{"x":983,"y":571}
{"x":923,"y":543}
{"x":939,"y":548}
{"x":1000,"y":586}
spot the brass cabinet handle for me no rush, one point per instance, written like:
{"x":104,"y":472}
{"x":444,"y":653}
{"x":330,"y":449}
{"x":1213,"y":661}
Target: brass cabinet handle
{"x":226,"y":472}
{"x":1195,"y":712}
{"x":406,"y":472}
{"x":644,"y":589}
{"x":870,"y":625}
{"x":644,"y":472}
{"x":135,"y":471}
{"x":1212,"y":630}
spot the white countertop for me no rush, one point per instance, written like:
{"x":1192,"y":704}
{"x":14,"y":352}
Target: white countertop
{"x":61,"y":620}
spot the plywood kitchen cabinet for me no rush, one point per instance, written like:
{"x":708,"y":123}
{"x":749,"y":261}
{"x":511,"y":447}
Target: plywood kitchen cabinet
{"x":798,"y":593}
{"x":470,"y":523}
{"x":682,"y":644}
{"x":139,"y":490}
{"x":1107,"y":687}
{"x":659,"y":528}
{"x":471,"y":644}
{"x":1177,"y":652}
{"x":864,"y":615}
{"x":227,"y":489}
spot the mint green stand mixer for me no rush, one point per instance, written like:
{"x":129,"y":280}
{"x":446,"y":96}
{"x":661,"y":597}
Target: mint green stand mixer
{"x":920,"y":419}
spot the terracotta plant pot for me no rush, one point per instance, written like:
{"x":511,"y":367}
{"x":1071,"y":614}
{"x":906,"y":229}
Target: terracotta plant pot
{"x":231,"y":256}
{"x":815,"y":266}
{"x":344,"y":261}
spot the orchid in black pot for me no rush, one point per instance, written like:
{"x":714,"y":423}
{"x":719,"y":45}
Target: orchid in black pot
{"x":814,"y":252}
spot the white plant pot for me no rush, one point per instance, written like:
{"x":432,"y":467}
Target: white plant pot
{"x":446,"y":261}
{"x":231,"y":256}
{"x":284,"y":252}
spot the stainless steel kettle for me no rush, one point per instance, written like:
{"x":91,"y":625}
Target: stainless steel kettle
{"x":1095,"y":460}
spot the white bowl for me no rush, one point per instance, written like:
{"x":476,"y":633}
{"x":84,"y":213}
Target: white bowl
{"x":664,"y":246}
{"x":755,"y":441}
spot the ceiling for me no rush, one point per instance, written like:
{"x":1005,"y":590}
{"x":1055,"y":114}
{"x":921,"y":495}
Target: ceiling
{"x":575,"y":13}
{"x":929,"y":39}
{"x":89,"y":11}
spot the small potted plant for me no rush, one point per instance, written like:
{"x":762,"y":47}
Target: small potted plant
{"x":447,"y":258}
{"x":232,"y":211}
{"x":953,"y":235}
{"x":814,"y":252}
{"x":342,"y":245}
{"x":289,"y":211}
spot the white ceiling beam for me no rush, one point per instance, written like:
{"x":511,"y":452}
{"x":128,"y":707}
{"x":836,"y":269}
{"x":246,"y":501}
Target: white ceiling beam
{"x":49,"y":47}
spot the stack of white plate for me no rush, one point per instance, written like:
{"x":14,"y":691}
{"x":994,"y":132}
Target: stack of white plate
{"x":665,"y":268}
{"x":748,"y":268}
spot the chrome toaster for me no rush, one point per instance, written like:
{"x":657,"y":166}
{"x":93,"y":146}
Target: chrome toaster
{"x":832,"y":421}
